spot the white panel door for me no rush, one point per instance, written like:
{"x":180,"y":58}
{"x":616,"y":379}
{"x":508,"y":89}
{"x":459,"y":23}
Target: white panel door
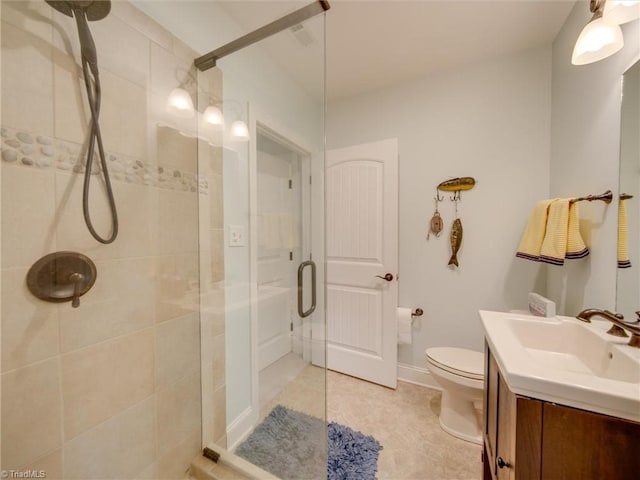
{"x":362,"y":244}
{"x":278,"y":178}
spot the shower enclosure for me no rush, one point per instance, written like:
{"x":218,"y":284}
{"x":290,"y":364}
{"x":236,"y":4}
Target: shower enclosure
{"x":200,"y":321}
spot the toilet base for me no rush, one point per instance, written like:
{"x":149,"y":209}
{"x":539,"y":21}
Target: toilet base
{"x":458,"y":418}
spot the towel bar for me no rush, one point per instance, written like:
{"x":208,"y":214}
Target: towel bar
{"x":606,"y":197}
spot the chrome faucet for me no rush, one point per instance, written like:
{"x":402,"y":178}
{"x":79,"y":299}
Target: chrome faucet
{"x":619,"y":325}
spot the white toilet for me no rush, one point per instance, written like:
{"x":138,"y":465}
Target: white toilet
{"x":460,"y":373}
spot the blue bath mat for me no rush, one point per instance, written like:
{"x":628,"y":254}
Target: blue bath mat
{"x":290,"y":445}
{"x":352,"y":455}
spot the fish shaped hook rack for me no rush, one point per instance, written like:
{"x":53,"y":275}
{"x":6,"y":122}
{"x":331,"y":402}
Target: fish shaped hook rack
{"x":457,"y":185}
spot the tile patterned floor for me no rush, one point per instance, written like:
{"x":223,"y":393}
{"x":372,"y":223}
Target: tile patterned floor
{"x":404,"y":421}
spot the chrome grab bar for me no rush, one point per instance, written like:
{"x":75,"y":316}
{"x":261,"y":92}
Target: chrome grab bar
{"x":301,"y":268}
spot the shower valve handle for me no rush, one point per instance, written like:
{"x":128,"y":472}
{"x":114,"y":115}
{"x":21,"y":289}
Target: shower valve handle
{"x":76,"y":279}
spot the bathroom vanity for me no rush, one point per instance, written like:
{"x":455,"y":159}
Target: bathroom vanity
{"x":537,"y":428}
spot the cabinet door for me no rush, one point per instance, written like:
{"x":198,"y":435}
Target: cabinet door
{"x":528,"y":439}
{"x":588,"y":446}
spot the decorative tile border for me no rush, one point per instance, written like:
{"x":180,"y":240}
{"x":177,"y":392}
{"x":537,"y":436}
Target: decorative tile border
{"x":37,"y":151}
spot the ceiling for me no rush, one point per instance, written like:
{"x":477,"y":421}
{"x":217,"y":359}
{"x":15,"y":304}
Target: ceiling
{"x":374,"y":44}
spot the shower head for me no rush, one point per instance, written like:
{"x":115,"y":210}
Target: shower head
{"x":83,"y":11}
{"x":93,"y":10}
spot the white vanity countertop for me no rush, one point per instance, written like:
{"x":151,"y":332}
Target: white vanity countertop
{"x":566,"y":361}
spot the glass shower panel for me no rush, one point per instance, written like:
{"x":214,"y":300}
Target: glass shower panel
{"x":110,"y":389}
{"x":270,"y":239}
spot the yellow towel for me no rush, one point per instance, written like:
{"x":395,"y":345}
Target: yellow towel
{"x":533,"y":235}
{"x":575,"y":245}
{"x":554,"y":245}
{"x":623,"y":253}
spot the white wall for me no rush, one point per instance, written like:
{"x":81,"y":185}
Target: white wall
{"x":585,"y":139}
{"x":489,"y":121}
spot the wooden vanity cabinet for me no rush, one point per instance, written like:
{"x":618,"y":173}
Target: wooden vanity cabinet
{"x":525,"y":438}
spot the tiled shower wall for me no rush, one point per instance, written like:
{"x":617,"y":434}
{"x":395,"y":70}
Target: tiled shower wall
{"x":111,"y":389}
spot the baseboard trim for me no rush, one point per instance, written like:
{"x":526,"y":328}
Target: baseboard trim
{"x":240,"y":428}
{"x":417,"y":376}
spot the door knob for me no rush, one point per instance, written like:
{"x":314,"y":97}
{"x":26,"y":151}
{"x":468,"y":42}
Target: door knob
{"x":388,"y":277}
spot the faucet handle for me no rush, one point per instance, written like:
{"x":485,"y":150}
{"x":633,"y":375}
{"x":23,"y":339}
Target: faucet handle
{"x":619,"y":316}
{"x":76,"y":279}
{"x":616,"y":330}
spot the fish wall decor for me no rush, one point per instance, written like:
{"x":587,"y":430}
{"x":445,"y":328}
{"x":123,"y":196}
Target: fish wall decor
{"x":455,"y":185}
{"x":436,"y":223}
{"x":456,"y":241}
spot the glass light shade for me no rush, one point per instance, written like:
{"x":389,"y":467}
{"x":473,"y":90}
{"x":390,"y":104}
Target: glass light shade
{"x":180,"y":104}
{"x":239,"y":131}
{"x":598,"y":40}
{"x":621,"y":11}
{"x":213,"y":116}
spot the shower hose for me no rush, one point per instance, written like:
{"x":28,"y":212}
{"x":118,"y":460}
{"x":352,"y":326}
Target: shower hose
{"x":94,"y":98}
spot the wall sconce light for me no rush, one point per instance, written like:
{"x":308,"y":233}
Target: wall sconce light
{"x":180,"y":103}
{"x":621,"y":11}
{"x":213,"y":116}
{"x":239,"y":131}
{"x":599,"y":39}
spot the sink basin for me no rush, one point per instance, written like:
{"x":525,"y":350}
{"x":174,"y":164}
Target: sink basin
{"x":573,"y":347}
{"x":566,"y":361}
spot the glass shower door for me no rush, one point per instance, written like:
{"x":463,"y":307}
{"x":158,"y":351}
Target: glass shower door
{"x":271,"y":149}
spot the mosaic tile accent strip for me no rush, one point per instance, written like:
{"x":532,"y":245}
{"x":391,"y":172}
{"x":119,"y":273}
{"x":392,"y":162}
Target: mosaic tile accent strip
{"x":37,"y":151}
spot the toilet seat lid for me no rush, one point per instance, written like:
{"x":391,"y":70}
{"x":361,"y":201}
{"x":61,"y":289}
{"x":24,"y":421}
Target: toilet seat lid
{"x":459,"y":361}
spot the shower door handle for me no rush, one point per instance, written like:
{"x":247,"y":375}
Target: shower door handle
{"x":301,"y":268}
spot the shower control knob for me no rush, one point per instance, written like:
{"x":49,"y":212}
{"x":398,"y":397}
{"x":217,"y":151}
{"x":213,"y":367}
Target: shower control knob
{"x":62,"y":277}
{"x":76,"y":279}
{"x":388,"y":277}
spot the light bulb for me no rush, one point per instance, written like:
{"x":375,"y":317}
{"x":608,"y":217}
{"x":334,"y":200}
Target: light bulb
{"x":213,"y":116}
{"x":239,"y":131}
{"x":598,"y":40}
{"x":621,"y":11}
{"x":180,"y":104}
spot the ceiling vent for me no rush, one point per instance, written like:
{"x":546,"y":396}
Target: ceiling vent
{"x":302,"y":35}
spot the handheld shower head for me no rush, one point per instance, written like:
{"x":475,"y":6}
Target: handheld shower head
{"x":93,"y":10}
{"x":82,"y":11}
